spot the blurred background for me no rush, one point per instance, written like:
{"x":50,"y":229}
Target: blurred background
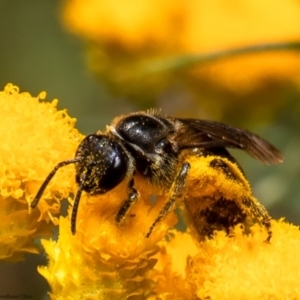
{"x":103,"y":58}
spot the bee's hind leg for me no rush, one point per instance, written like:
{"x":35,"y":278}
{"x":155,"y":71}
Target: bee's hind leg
{"x":177,"y":193}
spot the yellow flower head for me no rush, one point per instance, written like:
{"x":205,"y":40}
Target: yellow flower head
{"x":106,"y":260}
{"x":191,"y":26}
{"x":171,"y":277}
{"x":34,"y":136}
{"x":242,"y":267}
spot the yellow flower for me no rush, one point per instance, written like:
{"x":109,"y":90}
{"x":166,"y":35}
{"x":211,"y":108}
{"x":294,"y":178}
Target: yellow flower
{"x":104,"y":260}
{"x":190,"y":26}
{"x":171,"y":277}
{"x":132,"y":24}
{"x":34,"y":138}
{"x":243,"y":267}
{"x":109,"y":263}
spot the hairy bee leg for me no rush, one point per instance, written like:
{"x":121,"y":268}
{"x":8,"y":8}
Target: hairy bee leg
{"x":179,"y":185}
{"x":262,"y":216}
{"x":132,"y":196}
{"x":265,"y":221}
{"x":267,"y":225}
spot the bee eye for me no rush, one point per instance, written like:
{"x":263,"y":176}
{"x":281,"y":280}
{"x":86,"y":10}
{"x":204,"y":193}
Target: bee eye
{"x":114,"y":172}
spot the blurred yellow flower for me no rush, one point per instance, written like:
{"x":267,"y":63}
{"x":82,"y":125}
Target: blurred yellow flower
{"x":125,"y":39}
{"x":190,"y":26}
{"x":34,"y":136}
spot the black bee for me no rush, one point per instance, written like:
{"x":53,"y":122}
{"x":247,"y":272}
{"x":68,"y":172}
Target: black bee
{"x":156,"y":147}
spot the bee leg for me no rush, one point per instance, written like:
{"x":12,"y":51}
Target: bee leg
{"x":265,"y":220}
{"x":267,"y":225}
{"x":260,"y":215}
{"x":132,"y":196}
{"x":178,"y":188}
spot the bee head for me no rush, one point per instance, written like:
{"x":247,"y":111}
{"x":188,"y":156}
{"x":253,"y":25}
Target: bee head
{"x":102,"y":163}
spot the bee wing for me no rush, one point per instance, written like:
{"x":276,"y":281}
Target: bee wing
{"x":209,"y":134}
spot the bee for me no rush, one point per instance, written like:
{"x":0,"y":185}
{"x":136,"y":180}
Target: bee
{"x":161,"y":149}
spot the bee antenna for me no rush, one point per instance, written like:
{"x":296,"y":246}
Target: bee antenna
{"x":76,"y":202}
{"x":40,"y":192}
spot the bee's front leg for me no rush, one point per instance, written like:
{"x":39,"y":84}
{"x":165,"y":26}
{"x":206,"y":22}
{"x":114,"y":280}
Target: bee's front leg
{"x":132,"y":197}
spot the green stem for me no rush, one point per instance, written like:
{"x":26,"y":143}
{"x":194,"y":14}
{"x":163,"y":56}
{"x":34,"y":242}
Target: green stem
{"x":186,"y":61}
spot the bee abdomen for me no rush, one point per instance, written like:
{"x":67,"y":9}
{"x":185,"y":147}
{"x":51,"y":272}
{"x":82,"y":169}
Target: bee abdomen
{"x":218,"y":214}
